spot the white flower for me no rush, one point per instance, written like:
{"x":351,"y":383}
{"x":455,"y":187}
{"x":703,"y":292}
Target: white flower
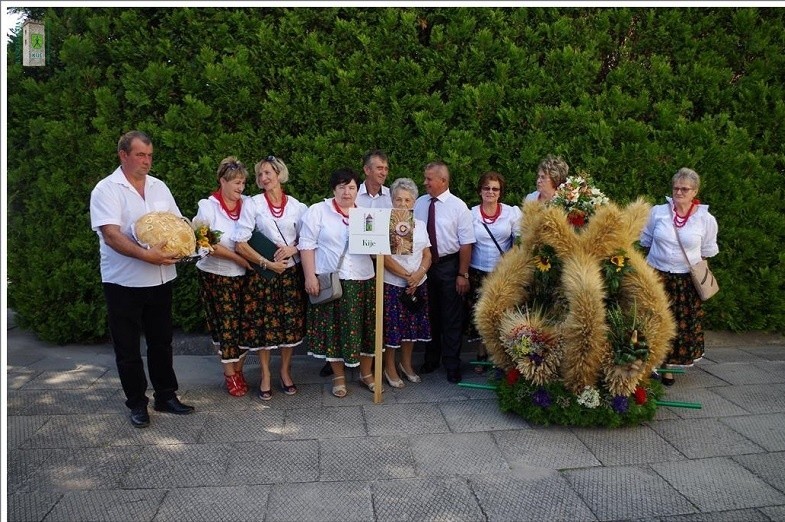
{"x":589,"y":397}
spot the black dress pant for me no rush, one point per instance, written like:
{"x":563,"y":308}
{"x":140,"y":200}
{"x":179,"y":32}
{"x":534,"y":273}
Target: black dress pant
{"x":134,"y":311}
{"x":446,"y":310}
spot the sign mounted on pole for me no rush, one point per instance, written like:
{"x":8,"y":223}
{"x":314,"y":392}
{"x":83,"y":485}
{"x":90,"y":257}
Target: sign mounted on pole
{"x":34,"y":44}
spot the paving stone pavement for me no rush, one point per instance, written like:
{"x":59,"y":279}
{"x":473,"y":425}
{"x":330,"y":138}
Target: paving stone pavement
{"x":431,"y":451}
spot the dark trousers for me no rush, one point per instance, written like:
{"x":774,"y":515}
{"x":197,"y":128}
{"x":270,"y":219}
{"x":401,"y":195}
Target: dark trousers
{"x":136,"y":311}
{"x":446,"y":311}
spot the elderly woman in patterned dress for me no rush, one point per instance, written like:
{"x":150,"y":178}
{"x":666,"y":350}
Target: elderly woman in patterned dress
{"x":405,"y":274}
{"x":275,"y":310}
{"x":221,"y":274}
{"x":681,"y":217}
{"x":341,"y":331}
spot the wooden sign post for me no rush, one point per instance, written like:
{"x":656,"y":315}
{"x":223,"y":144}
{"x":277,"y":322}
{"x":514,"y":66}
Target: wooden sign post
{"x":372,"y":231}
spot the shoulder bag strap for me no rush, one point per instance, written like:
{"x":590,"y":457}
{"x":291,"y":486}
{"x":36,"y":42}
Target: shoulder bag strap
{"x":343,"y":254}
{"x":493,"y":238}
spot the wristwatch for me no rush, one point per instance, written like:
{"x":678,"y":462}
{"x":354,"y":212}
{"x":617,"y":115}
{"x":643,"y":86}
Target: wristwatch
{"x":466,"y":275}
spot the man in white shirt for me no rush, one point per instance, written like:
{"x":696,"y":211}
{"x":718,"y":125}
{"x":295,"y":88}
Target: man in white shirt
{"x":372,"y":193}
{"x":137,"y":281}
{"x":450,"y":230}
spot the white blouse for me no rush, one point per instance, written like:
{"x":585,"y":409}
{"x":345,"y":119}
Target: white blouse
{"x":210,"y":212}
{"x":412,"y":262}
{"x":505,"y":229}
{"x":282,"y":231}
{"x":324,"y":231}
{"x":698,"y":236}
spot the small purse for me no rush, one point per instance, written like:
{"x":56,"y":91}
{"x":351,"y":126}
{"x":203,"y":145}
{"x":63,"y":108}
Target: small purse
{"x":329,"y":284}
{"x":702,"y":278}
{"x":329,"y":288}
{"x":412,"y":302}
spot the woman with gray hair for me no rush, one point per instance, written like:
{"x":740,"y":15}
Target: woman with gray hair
{"x":405,"y":292}
{"x":682,"y":219}
{"x":551,"y":173}
{"x":275,"y":311}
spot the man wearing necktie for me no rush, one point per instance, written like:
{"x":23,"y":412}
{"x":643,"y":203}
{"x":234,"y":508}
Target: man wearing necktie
{"x":450,"y":230}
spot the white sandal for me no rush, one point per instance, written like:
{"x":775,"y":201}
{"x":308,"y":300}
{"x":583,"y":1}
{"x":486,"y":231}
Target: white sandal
{"x":339,"y":390}
{"x":370,"y":385}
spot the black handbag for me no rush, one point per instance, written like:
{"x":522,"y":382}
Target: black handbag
{"x":412,"y":302}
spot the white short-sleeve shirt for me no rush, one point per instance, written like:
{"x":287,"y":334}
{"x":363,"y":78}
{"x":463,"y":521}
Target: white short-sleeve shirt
{"x":453,"y":221}
{"x":114,"y":201}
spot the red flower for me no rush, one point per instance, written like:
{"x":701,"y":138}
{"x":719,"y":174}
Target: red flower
{"x":512,"y":376}
{"x":576,"y":218}
{"x":640,"y":395}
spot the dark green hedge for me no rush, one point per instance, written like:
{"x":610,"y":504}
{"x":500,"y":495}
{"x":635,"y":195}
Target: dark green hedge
{"x":627,"y":95}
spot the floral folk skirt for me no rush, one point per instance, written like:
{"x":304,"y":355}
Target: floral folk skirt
{"x":400,"y":324}
{"x":223,"y":298}
{"x":476,"y":278}
{"x":275,"y":310}
{"x":687,"y":308}
{"x":345,"y":328}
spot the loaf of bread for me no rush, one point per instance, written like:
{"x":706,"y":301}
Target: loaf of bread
{"x":177,"y":235}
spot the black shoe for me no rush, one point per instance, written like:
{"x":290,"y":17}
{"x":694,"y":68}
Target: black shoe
{"x":454,"y":376}
{"x":668,"y":381}
{"x":326,"y":370}
{"x":139,"y":417}
{"x":173,"y":405}
{"x":428,"y":368}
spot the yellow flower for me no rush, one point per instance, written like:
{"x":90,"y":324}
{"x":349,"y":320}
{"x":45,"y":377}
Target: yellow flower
{"x":618,"y":261}
{"x":543,"y":263}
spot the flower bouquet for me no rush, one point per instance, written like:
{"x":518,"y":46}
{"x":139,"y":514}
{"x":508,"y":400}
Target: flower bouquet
{"x":205,"y":238}
{"x":579,"y":198}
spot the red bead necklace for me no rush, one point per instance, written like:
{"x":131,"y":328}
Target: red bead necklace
{"x":489,"y":220}
{"x":234,"y":215}
{"x":678,"y":220}
{"x":344,"y":215}
{"x":276,"y":211}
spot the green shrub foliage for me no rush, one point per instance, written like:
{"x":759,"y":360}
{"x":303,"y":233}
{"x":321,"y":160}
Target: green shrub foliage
{"x":627,"y":95}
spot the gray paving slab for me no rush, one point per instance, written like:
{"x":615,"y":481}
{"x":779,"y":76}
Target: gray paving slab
{"x":83,"y":376}
{"x":320,"y":501}
{"x":731,"y":354}
{"x":61,"y":431}
{"x":701,"y":377}
{"x":548,"y":448}
{"x":479,"y":416}
{"x":737,"y":515}
{"x":29,"y":470}
{"x":767,"y":431}
{"x":627,"y":492}
{"x":763,"y":372}
{"x":116,"y":505}
{"x":766,"y":466}
{"x":30,"y":507}
{"x":756,"y":398}
{"x":519,"y":497}
{"x":774,"y":513}
{"x":242,"y":426}
{"x":625,"y":446}
{"x":325,"y":422}
{"x":65,"y":402}
{"x":432,"y":499}
{"x":273,"y":462}
{"x":178,"y":465}
{"x":412,"y":418}
{"x":17,"y":377}
{"x":216,"y":503}
{"x":457,"y":454}
{"x":701,"y":438}
{"x":771,"y":353}
{"x":713,"y":402}
{"x":20,"y":428}
{"x":366,"y":458}
{"x":718,"y":484}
